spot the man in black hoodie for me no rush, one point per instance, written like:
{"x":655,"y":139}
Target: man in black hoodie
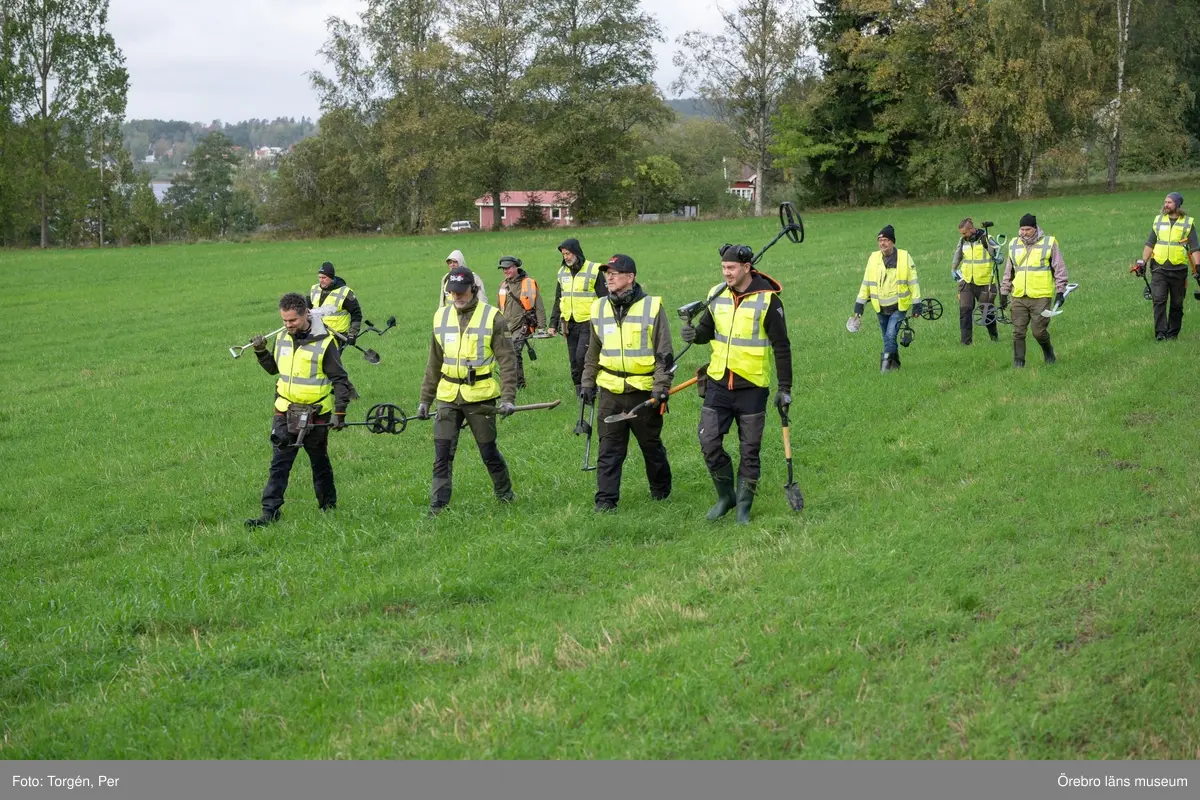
{"x":579,"y":283}
{"x":342,"y":313}
{"x":629,"y":358}
{"x":744,"y":322}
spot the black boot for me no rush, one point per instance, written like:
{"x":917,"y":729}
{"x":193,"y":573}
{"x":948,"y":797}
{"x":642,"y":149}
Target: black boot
{"x":1048,"y":352}
{"x":745,"y":499}
{"x":726,"y":499}
{"x":263,"y":521}
{"x":1018,"y":363}
{"x":895,"y":361}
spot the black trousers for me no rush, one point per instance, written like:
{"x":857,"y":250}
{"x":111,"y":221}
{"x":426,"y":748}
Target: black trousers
{"x":721,"y":407}
{"x":1168,"y":284}
{"x":968,"y":295}
{"x":579,"y":335}
{"x":283,"y":455}
{"x":614,"y":446}
{"x":481,"y":419}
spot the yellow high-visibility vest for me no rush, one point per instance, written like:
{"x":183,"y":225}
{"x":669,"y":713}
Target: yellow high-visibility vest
{"x":1171,"y":235}
{"x":302,"y":377}
{"x":578,"y":291}
{"x":465,"y":353}
{"x":626,"y":348}
{"x":739,"y":341}
{"x":976,"y":264}
{"x":884,"y":287}
{"x":338,"y":319}
{"x":1033,"y":274}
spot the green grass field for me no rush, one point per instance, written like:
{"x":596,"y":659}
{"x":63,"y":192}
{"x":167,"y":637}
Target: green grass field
{"x":992,"y":564}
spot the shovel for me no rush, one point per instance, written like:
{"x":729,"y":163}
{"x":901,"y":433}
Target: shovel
{"x":795,"y":497}
{"x":236,"y":351}
{"x":370,"y":355}
{"x":651,"y":403}
{"x":1054,"y":312}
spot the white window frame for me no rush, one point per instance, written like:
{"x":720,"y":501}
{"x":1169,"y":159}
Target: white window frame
{"x":503,"y":211}
{"x":556,"y":214}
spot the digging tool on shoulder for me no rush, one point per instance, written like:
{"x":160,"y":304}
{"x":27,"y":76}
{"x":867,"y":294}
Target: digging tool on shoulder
{"x":236,"y":352}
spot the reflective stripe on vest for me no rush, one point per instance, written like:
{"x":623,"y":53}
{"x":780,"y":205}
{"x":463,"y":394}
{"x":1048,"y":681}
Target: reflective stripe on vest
{"x":875,"y":280}
{"x":338,"y":319}
{"x":739,"y":341}
{"x":1033,"y":275}
{"x":626,"y":348}
{"x":578,"y":292}
{"x":302,"y":377}
{"x":464,"y":351}
{"x":976,"y":264}
{"x":1170,"y":246}
{"x":527,"y":294}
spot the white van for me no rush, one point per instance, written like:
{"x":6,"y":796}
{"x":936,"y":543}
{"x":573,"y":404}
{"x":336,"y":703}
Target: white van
{"x":459,"y":225}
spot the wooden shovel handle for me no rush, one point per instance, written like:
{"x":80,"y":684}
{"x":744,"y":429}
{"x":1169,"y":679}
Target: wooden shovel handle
{"x":787,"y":443}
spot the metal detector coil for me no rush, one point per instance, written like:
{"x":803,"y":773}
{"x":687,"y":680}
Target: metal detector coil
{"x":931,"y":309}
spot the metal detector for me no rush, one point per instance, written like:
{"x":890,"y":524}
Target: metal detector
{"x":1140,"y":271}
{"x":370,"y":355}
{"x":584,"y":428}
{"x":931,"y":309}
{"x":391,"y":323}
{"x":381,"y":418}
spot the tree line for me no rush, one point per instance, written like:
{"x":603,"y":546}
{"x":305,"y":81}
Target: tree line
{"x":428,"y":104}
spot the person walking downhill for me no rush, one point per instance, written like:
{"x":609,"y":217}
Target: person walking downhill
{"x":890,"y":283}
{"x":338,"y":305}
{"x":310,"y":370}
{"x":628,"y":362}
{"x":745,"y":324}
{"x":1170,"y":249}
{"x":470,"y":340}
{"x":525,"y":314}
{"x":580,"y":282}
{"x":457,"y":259}
{"x":1034,"y":273}
{"x":972,"y":267}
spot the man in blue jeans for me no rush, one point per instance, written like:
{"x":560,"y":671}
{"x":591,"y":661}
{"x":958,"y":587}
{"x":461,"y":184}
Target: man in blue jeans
{"x":890,"y":283}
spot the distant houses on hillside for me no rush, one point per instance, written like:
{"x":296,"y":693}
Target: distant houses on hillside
{"x":555,"y":207}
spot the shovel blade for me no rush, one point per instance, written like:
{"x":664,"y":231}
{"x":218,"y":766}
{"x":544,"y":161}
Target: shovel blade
{"x":371,"y":356}
{"x":795,"y":497}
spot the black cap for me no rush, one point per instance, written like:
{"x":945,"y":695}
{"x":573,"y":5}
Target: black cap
{"x":737,"y":253}
{"x":326,"y":269}
{"x":1029,"y":221}
{"x":460,"y":279}
{"x":622,"y":263}
{"x":509,"y":261}
{"x":888,"y":232}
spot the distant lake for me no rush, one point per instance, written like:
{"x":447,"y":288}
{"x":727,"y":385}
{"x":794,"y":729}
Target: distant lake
{"x":160,"y":189}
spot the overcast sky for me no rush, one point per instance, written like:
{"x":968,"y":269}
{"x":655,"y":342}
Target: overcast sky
{"x":240,"y":59}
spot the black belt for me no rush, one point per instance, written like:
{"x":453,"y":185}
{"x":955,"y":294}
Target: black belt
{"x":466,"y":381}
{"x":623,"y":374}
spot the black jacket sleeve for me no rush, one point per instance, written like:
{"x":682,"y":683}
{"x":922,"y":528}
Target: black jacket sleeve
{"x":351,"y":305}
{"x":706,"y":327}
{"x":777,"y":334}
{"x":266,"y":360}
{"x":555,"y":312}
{"x":332,"y":364}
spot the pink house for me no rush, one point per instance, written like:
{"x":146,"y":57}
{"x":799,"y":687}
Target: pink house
{"x":555,"y":206}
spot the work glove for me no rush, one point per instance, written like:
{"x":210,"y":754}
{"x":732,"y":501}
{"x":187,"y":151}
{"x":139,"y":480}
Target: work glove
{"x":259,"y":343}
{"x":688,"y":334}
{"x":1004,"y":301}
{"x":782,"y":399}
{"x":338,"y":422}
{"x":662,"y":396}
{"x":563,"y":329}
{"x":587,"y":394}
{"x":918,"y":307}
{"x":858,"y":309}
{"x":423,"y":411}
{"x":1059,"y":298}
{"x":507,"y":409}
{"x":352,"y":336}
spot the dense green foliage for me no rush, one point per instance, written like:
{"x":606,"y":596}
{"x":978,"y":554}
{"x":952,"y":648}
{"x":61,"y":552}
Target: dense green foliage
{"x":992,"y":564}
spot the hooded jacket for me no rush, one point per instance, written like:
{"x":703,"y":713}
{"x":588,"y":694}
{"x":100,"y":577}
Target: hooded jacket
{"x":777,"y":334}
{"x":601,"y":284}
{"x":462,"y":262}
{"x":515,"y":313}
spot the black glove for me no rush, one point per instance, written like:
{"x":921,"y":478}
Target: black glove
{"x":352,"y":336}
{"x":782,"y":399}
{"x":662,"y":396}
{"x":1004,"y":301}
{"x":587,"y":394}
{"x":423,"y":411}
{"x":918,"y":307}
{"x":338,"y":422}
{"x":507,"y":409}
{"x":688,"y":334}
{"x":858,"y":309}
{"x":259,"y":343}
{"x":1059,"y":298}
{"x":1141,"y":268}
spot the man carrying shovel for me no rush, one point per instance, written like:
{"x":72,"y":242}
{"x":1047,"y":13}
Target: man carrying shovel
{"x":628,"y":362}
{"x":744,"y":324}
{"x":470,"y":340}
{"x":310,"y":371}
